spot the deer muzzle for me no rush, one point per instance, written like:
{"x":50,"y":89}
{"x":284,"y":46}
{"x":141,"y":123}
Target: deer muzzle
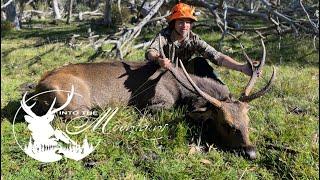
{"x":250,"y":152}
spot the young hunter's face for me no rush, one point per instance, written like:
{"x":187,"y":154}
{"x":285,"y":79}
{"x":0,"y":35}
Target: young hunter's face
{"x":183,"y":26}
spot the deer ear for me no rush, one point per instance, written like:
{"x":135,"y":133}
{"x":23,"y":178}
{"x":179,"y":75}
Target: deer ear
{"x":200,"y":113}
{"x":199,"y":105}
{"x":199,"y":109}
{"x":29,"y":119}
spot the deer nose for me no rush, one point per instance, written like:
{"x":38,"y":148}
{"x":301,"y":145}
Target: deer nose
{"x":250,"y":152}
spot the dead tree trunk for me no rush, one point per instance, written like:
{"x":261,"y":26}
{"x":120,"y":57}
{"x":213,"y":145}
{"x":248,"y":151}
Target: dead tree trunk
{"x":96,"y":4}
{"x":107,"y":13}
{"x":119,"y":7}
{"x":56,"y":9}
{"x":69,"y":11}
{"x":21,"y":11}
{"x":11,"y":13}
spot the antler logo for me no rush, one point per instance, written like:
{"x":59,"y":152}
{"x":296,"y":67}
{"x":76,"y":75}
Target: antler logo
{"x":45,"y":143}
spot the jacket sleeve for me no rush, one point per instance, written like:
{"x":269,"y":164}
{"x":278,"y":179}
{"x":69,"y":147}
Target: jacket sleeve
{"x":154,"y":46}
{"x":207,"y":51}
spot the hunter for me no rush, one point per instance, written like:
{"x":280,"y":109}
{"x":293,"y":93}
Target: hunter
{"x":179,"y":42}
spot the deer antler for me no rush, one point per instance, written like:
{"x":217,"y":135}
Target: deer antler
{"x":255,"y":70}
{"x":262,"y":91}
{"x":206,"y":96}
{"x":209,"y":98}
{"x":70,"y":95}
{"x":245,"y":96}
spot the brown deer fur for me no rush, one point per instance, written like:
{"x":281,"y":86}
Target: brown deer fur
{"x":145,"y":85}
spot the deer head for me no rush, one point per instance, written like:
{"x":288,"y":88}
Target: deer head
{"x":230,"y":117}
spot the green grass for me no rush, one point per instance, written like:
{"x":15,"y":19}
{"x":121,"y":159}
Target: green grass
{"x":287,"y":141}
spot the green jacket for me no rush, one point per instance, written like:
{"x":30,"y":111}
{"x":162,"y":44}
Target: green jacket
{"x":193,"y":44}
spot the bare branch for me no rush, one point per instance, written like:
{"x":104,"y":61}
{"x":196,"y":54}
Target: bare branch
{"x":225,"y":25}
{"x":313,"y":25}
{"x":159,"y":18}
{"x":281,"y":16}
{"x":142,"y":45}
{"x":128,"y":35}
{"x":245,"y":13}
{"x":314,"y":43}
{"x":30,"y":1}
{"x":6,"y":4}
{"x":119,"y":7}
{"x":90,"y":13}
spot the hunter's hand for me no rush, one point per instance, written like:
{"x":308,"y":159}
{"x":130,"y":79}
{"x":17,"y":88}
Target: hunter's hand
{"x":246,"y":69}
{"x":165,"y":63}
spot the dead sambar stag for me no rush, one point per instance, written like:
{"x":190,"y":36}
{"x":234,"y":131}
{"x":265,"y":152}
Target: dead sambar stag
{"x":229,"y":117}
{"x":145,"y":85}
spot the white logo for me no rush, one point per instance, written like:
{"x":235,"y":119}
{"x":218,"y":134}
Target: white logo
{"x":46,"y":143}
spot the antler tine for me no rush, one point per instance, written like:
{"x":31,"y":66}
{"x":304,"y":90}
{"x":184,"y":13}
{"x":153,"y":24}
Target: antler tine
{"x":209,"y":98}
{"x":249,"y":61}
{"x":262,"y":91}
{"x":70,"y":95}
{"x":263,"y":56}
{"x":27,"y":108}
{"x":212,"y":100}
{"x":255,"y":70}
